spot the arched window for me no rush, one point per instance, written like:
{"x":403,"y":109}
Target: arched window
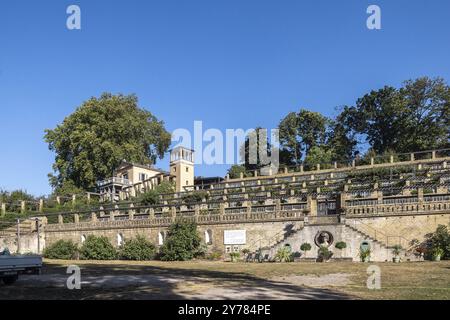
{"x":83,"y":238}
{"x":161,"y":238}
{"x":208,"y":236}
{"x":119,"y":239}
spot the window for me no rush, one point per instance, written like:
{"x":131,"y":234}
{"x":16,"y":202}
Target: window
{"x":187,"y":182}
{"x":119,"y":239}
{"x":125,"y":176}
{"x":235,"y":248}
{"x":142,"y":176}
{"x":187,"y":169}
{"x":174,"y":169}
{"x":228,"y":249}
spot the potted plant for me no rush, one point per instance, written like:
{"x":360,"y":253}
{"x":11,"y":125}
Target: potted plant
{"x":305,"y":247}
{"x":324,"y":254}
{"x":437,"y":253}
{"x":341,"y":245}
{"x":397,"y":249}
{"x":235,"y":256}
{"x":364,"y":254}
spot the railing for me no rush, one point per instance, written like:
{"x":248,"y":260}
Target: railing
{"x":114,"y":180}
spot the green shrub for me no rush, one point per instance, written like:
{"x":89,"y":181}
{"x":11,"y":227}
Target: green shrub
{"x":305,"y":246}
{"x":340,"y":245}
{"x":440,"y":239}
{"x":138,"y":249}
{"x":324,"y":254}
{"x":182,"y":242}
{"x":215,"y":255}
{"x":61,"y":249}
{"x":235,"y":256}
{"x":283,"y":255}
{"x":97,"y":248}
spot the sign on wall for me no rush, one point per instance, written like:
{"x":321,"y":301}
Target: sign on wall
{"x":234,"y":237}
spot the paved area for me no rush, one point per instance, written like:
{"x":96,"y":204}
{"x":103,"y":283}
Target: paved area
{"x":108,"y":282}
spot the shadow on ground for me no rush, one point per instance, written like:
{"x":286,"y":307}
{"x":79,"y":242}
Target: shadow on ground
{"x":103,"y":281}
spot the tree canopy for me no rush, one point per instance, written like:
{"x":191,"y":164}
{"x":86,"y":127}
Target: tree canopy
{"x":414,"y":117}
{"x":101,"y":133}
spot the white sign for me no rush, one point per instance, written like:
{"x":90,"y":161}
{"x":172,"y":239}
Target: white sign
{"x":234,"y":237}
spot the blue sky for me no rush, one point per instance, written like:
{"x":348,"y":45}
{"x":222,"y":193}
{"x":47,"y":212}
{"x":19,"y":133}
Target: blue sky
{"x":231,"y":64}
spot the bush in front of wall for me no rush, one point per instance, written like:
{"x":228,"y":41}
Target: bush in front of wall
{"x":138,"y":249}
{"x":61,"y":249}
{"x":97,"y":248}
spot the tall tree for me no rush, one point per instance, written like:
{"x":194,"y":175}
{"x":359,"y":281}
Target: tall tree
{"x":412,"y":118}
{"x":299,"y":132}
{"x":102,"y":132}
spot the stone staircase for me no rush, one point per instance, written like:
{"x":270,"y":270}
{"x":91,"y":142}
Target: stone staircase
{"x":380,"y":248}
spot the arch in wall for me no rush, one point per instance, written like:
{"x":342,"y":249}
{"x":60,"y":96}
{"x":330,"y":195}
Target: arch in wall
{"x":120,"y":239}
{"x":208,"y":236}
{"x":161,"y":238}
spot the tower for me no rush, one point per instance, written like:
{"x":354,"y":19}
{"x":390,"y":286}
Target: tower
{"x":182,"y":167}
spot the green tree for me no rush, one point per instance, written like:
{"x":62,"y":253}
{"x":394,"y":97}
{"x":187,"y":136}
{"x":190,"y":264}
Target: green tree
{"x":299,"y":132}
{"x":319,"y":155}
{"x":412,"y":118}
{"x":102,"y":132}
{"x":61,"y":249}
{"x":138,"y":249}
{"x":235,"y":171}
{"x":182,"y":243}
{"x":97,"y":248}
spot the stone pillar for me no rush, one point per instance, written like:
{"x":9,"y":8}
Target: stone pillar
{"x":76,"y":218}
{"x":74,"y":198}
{"x":3,"y":209}
{"x":318,"y":166}
{"x":173,"y":213}
{"x":256,"y":173}
{"x":420,"y":195}
{"x":312,"y":205}
{"x":111,"y":215}
{"x":380,"y":197}
{"x":286,"y":170}
{"x":353,"y":163}
{"x":372,"y":161}
{"x":412,"y":157}
{"x":101,"y":212}
{"x":433,"y":154}
{"x":93,"y":217}
{"x":131,"y":212}
{"x":249,"y":210}
{"x":335,"y":165}
{"x":391,"y":158}
{"x":60,"y":219}
{"x":241,"y":175}
{"x":41,"y":205}
{"x":227,"y":177}
{"x":44,"y":221}
{"x":444,"y":164}
{"x":58,"y":200}
{"x":318,"y":189}
{"x":221,"y":209}
{"x":301,"y":168}
{"x":151,"y":213}
{"x":88,"y":197}
{"x":22,"y":206}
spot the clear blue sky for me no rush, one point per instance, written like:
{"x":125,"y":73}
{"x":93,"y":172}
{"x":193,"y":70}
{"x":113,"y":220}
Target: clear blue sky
{"x":231,"y":64}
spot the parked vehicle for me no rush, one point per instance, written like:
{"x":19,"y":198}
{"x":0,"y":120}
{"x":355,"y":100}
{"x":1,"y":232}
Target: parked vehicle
{"x":11,"y":266}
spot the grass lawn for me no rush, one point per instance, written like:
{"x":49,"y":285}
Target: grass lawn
{"x":226,"y":280}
